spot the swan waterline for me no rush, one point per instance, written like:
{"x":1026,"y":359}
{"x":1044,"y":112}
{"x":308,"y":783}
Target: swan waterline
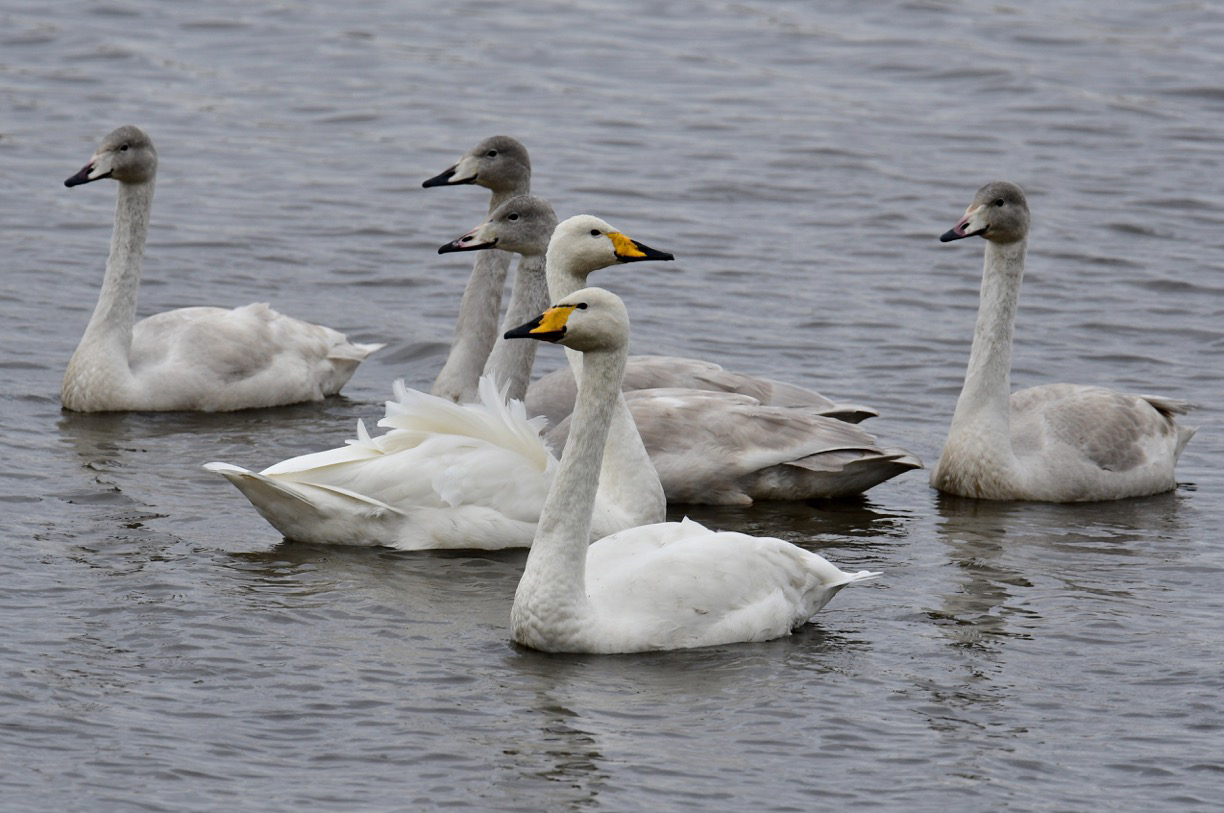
{"x":662,"y":586}
{"x":501,"y":165}
{"x":1054,"y":442}
{"x":450,"y":475}
{"x":192,"y":359}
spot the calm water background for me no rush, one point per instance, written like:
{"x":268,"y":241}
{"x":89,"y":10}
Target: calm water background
{"x":162,"y":649}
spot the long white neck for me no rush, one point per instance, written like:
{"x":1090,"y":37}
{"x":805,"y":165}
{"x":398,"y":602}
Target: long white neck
{"x":476,"y":327}
{"x":984,"y":403}
{"x":628,"y":479}
{"x":510,"y":362}
{"x":101,"y":357}
{"x":551,"y":595}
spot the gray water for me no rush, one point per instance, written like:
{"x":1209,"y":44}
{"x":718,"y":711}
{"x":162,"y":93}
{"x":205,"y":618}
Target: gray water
{"x":163,"y":649}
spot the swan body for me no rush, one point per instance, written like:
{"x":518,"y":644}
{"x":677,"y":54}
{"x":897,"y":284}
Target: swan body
{"x":501,"y":165}
{"x":201,"y":358}
{"x":553,"y":395}
{"x":671,"y":585}
{"x":1050,"y":443}
{"x":724,"y":448}
{"x":449,"y":475}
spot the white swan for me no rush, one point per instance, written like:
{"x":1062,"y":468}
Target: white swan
{"x":450,"y":475}
{"x":501,"y":165}
{"x":718,"y":447}
{"x":1056,"y":442}
{"x":203,"y":359}
{"x":672,"y":585}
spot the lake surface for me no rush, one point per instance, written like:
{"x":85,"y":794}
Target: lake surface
{"x":163,"y":649}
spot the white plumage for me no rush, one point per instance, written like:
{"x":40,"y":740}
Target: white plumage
{"x":660,"y":586}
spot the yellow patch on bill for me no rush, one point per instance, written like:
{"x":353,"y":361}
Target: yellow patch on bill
{"x":553,"y":320}
{"x":625,"y":247}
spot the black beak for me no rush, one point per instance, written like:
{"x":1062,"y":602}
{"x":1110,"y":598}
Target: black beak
{"x":459,"y":245}
{"x":648,"y":253}
{"x":445,"y":179}
{"x":530,"y":330}
{"x":83,"y":176}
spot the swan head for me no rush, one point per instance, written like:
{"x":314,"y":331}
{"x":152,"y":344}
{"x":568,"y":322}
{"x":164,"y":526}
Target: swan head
{"x":499,"y":163}
{"x":999,"y":213}
{"x":522,"y":225}
{"x":584,"y":243}
{"x":591,"y":319}
{"x":127,"y":155}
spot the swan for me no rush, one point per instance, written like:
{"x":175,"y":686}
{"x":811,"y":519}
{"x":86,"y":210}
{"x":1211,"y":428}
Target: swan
{"x":669,"y":585}
{"x":552,"y":395}
{"x":522,"y":225}
{"x":725,"y":448}
{"x":1050,"y":443}
{"x":448,"y":475}
{"x":501,"y":165}
{"x":202,"y":359}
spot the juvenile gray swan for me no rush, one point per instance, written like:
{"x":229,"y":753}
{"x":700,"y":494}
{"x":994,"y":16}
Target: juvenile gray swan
{"x":1055,"y":442}
{"x":200,"y":359}
{"x":501,"y":165}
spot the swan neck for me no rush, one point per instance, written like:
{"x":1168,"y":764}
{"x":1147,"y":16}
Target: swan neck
{"x":475,"y":328}
{"x":987,"y":387}
{"x":511,"y":361}
{"x":562,"y":279}
{"x":555,"y":573}
{"x":110,"y":328}
{"x":498,"y":197}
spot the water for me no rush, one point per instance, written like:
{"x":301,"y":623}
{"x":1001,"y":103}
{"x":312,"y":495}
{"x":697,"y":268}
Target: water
{"x":164,"y":650}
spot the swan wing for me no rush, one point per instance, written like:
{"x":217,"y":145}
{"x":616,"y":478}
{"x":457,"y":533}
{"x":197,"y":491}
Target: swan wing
{"x":466,"y":476}
{"x":675,"y":585}
{"x":553,"y":395}
{"x":729,"y":448}
{"x":217,"y":359}
{"x":1113,"y":431}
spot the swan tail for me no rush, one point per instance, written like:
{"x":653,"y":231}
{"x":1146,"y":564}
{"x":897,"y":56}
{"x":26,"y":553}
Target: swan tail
{"x":1170,"y":406}
{"x":494,"y":418}
{"x":353,"y":351}
{"x":851,"y":578}
{"x":313,"y":513}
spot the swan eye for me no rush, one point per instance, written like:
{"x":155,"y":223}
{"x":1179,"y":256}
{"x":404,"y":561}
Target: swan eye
{"x":513,"y":216}
{"x":581,"y":306}
{"x":595,"y":232}
{"x":491,"y":154}
{"x":124,"y":148}
{"x":999,"y":202}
